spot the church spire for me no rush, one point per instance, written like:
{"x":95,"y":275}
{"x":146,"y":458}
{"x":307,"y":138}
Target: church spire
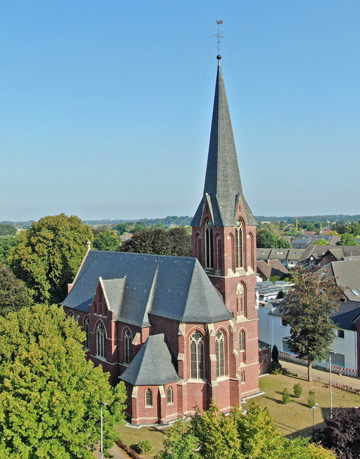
{"x":222,"y":190}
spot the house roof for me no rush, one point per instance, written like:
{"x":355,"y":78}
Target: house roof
{"x":171,"y":287}
{"x":152,"y":365}
{"x":222,"y":190}
{"x":271,"y":268}
{"x":345,"y":316}
{"x":347,"y":275}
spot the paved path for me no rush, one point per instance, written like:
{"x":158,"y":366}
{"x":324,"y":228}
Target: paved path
{"x":323,"y":376}
{"x":116,"y":451}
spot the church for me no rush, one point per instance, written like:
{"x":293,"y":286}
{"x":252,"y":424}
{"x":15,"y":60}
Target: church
{"x":180,"y":331}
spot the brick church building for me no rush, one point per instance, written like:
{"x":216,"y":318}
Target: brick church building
{"x":180,"y":331}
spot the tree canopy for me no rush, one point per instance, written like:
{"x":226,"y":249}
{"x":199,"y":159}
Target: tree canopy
{"x":341,"y":433}
{"x":50,"y":395}
{"x":13,"y":294}
{"x":253,"y":435}
{"x":307,"y":309}
{"x":348,"y":239}
{"x":49,"y":254}
{"x":269,"y":239}
{"x":106,"y":240}
{"x":175,"y":241}
{"x":6,"y":244}
{"x":7,"y":229}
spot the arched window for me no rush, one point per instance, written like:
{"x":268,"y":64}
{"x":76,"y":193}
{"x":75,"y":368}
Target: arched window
{"x":70,"y":315}
{"x":220,"y":354}
{"x":232,"y":252}
{"x":252,"y":252}
{"x":198,"y":247}
{"x":170,"y":396}
{"x":197,"y":355}
{"x":239,"y":245}
{"x":218,"y":253}
{"x":242,"y":345}
{"x":208,"y":244}
{"x":242,"y":376}
{"x":241,"y":299}
{"x":127,"y":346}
{"x":148,"y":398}
{"x":87,"y":332}
{"x":100,"y":340}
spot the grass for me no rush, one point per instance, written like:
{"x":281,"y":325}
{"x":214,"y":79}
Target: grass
{"x":296,"y":418}
{"x":131,"y":436}
{"x":293,"y":419}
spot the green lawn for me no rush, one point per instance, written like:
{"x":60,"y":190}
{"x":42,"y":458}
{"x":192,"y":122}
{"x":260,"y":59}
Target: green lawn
{"x":295,"y":418}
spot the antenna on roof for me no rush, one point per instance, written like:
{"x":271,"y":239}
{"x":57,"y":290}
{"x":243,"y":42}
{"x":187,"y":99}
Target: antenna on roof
{"x":218,"y":36}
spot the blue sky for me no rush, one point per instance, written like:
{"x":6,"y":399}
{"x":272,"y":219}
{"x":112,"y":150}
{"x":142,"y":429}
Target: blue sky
{"x":105,"y":106}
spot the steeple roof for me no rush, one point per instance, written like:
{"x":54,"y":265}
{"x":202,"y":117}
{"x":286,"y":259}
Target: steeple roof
{"x":222,"y":190}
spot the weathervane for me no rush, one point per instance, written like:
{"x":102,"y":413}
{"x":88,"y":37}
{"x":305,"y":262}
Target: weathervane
{"x":218,"y":36}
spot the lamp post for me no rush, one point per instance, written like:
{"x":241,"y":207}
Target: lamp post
{"x":313,"y":408}
{"x":102,"y":429}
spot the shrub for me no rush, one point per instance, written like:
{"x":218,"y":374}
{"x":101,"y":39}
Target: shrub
{"x":275,"y":354}
{"x":144,"y":447}
{"x":286,"y":396}
{"x":311,"y":399}
{"x":297,"y":390}
{"x":276,"y":368}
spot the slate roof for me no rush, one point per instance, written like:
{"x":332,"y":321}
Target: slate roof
{"x":152,"y":365}
{"x":347,"y":275}
{"x":171,"y":287}
{"x":222,"y":190}
{"x":271,"y":268}
{"x":345,"y":316}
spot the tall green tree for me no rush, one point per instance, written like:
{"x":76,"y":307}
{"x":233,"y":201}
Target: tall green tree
{"x":253,"y":435}
{"x":307,"y":309}
{"x":13,"y":293}
{"x":6,"y":244}
{"x":7,"y":230}
{"x":50,"y":395}
{"x":348,"y":239}
{"x":49,"y":255}
{"x":106,"y":240}
{"x":269,"y":239}
{"x":175,"y":241}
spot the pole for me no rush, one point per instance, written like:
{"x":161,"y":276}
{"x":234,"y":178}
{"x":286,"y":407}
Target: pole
{"x":330,"y":382}
{"x":102,"y":440}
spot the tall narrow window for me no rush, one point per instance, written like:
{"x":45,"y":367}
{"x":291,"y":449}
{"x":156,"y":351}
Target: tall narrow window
{"x":218,"y":253}
{"x":198,"y":248}
{"x":232,"y":252}
{"x":127,"y":346}
{"x":197,"y":355}
{"x":87,"y":332}
{"x":148,"y":398}
{"x":220,"y":354}
{"x":208,"y":245}
{"x":242,"y":376}
{"x":241,"y":298}
{"x":239,"y":245}
{"x":100,"y":340}
{"x":242,"y":346}
{"x":170,"y":396}
{"x":252,"y":252}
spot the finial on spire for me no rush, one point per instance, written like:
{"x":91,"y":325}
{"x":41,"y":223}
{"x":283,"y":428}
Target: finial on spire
{"x":218,"y":36}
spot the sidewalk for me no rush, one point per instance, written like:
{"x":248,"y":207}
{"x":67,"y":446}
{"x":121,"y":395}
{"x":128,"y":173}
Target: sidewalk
{"x":322,"y":376}
{"x":116,"y":451}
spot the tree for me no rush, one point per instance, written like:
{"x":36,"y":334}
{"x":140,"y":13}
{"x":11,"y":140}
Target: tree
{"x":348,"y":239}
{"x":49,"y":255}
{"x":50,"y":394}
{"x":307,"y":309}
{"x":13,"y":294}
{"x":268,"y":239}
{"x":254,"y":435}
{"x":106,"y":240}
{"x":275,"y":354}
{"x":7,"y":229}
{"x":341,"y":433}
{"x":6,"y":244}
{"x":320,"y":242}
{"x":158,"y":241}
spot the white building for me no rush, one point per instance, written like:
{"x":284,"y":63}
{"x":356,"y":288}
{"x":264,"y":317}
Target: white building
{"x":273,"y":331}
